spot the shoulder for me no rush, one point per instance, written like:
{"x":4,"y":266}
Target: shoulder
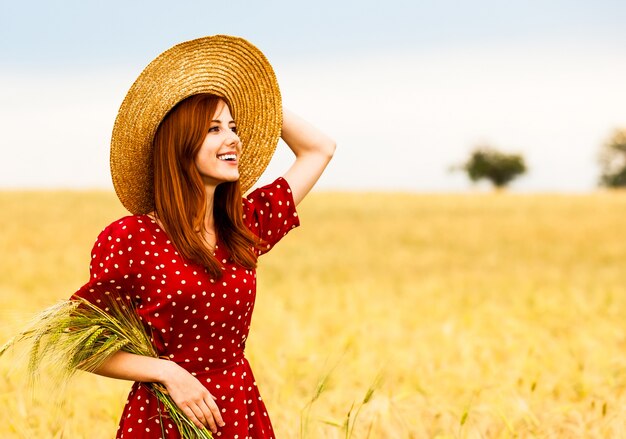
{"x":130,"y":222}
{"x":269,"y":211}
{"x":263,"y":197}
{"x":124,"y":227}
{"x":278,"y":189}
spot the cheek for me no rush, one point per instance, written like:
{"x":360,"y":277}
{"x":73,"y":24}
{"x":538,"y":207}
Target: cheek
{"x":208,"y":150}
{"x":205,"y":158}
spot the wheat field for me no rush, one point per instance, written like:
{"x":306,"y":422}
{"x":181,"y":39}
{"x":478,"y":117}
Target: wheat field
{"x":484,"y":315}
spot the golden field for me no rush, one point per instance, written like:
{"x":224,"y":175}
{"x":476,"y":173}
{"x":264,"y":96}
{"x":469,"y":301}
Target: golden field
{"x":487,"y":315}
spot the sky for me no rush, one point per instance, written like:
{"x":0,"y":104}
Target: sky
{"x":406,"y":88}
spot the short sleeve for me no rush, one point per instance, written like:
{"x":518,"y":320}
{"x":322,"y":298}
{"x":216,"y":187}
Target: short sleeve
{"x":112,"y":268}
{"x":270,"y":213}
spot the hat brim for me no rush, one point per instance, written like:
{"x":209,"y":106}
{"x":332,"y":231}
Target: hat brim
{"x":229,"y":67}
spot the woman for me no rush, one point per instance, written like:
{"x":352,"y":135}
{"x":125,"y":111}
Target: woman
{"x":187,"y":256}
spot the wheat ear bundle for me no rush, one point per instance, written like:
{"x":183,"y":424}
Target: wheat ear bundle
{"x":77,"y":335}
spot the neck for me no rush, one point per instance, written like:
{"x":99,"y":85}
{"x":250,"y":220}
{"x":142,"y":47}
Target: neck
{"x":209,"y":222}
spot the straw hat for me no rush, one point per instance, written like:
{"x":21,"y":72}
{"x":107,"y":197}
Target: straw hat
{"x":226,"y":66}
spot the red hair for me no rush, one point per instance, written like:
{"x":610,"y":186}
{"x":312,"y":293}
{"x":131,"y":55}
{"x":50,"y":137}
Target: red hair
{"x":179,"y":193}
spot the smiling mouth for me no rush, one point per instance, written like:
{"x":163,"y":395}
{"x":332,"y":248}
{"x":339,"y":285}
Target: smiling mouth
{"x":227,"y":157}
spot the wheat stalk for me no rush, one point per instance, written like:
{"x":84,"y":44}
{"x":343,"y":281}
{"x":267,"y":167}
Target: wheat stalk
{"x":78,"y":335}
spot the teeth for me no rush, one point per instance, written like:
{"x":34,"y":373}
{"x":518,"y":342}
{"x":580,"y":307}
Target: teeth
{"x":227,"y":157}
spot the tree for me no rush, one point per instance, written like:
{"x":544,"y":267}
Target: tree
{"x":495,"y":166}
{"x":613,"y":160}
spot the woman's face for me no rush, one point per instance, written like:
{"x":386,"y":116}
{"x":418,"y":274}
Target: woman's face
{"x":218,"y":158}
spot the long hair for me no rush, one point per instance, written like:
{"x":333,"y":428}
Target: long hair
{"x":179,"y":193}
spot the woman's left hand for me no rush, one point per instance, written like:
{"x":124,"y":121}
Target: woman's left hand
{"x":191,"y":397}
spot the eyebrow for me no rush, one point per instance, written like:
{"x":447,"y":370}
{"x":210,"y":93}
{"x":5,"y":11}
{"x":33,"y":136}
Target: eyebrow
{"x":219,"y":121}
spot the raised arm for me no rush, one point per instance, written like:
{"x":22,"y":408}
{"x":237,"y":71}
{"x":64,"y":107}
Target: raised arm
{"x":313,"y":150}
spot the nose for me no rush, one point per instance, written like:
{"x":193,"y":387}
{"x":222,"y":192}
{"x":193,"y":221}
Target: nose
{"x":233,"y":139}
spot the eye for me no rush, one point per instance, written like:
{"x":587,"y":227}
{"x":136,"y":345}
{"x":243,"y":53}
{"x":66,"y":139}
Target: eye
{"x":233,"y":129}
{"x":214,"y":129}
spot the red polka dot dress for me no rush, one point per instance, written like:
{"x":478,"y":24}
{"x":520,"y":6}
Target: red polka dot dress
{"x":198,"y":321}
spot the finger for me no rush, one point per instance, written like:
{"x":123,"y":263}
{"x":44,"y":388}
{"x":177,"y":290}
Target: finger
{"x":215,"y":411}
{"x":192,"y":417}
{"x":199,"y":412}
{"x":208,"y":415}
